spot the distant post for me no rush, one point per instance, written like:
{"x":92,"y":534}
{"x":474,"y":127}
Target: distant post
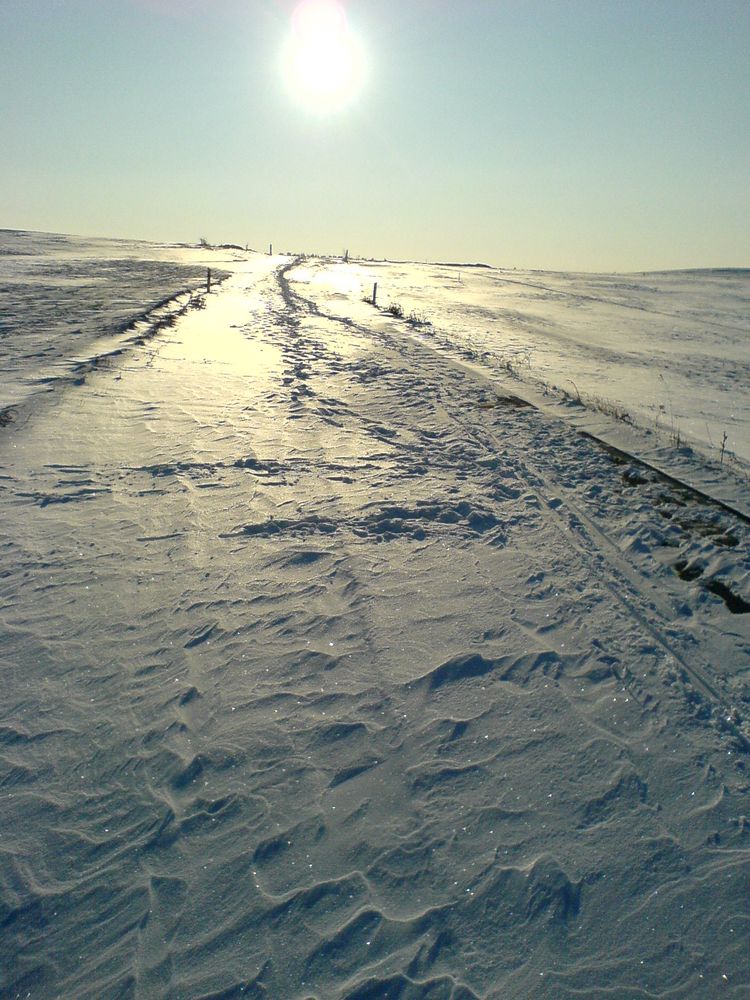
{"x":208,"y":280}
{"x":270,"y":249}
{"x":375,"y":294}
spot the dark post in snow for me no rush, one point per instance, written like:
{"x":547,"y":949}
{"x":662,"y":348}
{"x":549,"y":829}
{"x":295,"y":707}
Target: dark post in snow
{"x":208,"y":280}
{"x":375,"y":294}
{"x":270,"y":249}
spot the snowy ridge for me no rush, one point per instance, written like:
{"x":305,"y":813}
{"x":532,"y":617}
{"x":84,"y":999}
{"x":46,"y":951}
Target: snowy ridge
{"x":68,"y":305}
{"x":134,"y":332}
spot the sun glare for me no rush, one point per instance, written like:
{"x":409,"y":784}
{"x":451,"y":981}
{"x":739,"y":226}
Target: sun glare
{"x":323,"y":61}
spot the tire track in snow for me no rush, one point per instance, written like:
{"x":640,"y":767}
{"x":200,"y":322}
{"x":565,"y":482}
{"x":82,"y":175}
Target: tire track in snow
{"x":632,"y":589}
{"x":648,"y":603}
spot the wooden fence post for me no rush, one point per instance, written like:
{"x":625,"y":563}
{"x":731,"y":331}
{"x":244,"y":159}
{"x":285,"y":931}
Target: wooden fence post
{"x":208,"y":280}
{"x":375,"y":294}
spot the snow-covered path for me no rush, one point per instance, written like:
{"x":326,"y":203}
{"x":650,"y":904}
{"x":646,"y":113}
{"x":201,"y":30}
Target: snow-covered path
{"x":333,"y":669}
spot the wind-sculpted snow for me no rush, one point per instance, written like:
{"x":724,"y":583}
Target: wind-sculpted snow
{"x":331,"y":671}
{"x":669,"y":352}
{"x":66,"y":304}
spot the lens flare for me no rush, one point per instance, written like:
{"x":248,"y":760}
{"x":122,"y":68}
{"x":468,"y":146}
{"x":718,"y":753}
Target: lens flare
{"x":323,"y":60}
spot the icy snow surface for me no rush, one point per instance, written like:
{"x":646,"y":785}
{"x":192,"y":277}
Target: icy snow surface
{"x":338,"y":663}
{"x":669,"y":351}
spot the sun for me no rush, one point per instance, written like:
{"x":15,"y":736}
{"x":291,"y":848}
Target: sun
{"x":323,"y":60}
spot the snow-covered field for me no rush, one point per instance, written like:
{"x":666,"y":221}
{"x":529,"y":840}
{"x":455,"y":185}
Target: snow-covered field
{"x":338,"y":661}
{"x":669,"y":351}
{"x":66,"y":300}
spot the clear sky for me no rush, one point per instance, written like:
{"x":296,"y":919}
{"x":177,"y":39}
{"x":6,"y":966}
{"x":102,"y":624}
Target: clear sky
{"x":573,"y":134}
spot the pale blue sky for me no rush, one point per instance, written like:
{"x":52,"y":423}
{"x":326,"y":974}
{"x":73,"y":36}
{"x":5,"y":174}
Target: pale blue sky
{"x":531,"y":133}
